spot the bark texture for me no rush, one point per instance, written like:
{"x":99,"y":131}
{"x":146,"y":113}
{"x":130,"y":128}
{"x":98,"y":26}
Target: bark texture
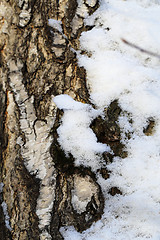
{"x":38,"y":62}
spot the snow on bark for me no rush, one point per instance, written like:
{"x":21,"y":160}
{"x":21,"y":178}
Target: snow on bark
{"x":75,"y":135}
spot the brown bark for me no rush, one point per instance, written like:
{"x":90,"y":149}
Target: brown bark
{"x":38,"y":62}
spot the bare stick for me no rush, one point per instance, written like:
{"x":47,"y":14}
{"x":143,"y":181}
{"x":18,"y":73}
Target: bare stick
{"x":141,"y":49}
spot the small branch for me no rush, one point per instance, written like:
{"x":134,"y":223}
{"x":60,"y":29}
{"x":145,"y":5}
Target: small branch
{"x":141,"y":49}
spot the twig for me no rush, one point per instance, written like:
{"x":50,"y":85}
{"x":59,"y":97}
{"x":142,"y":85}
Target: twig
{"x":141,"y":49}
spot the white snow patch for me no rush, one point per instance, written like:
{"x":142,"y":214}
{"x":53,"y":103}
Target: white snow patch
{"x":75,"y":135}
{"x":5,"y":211}
{"x":6,"y":216}
{"x":65,"y":102}
{"x":1,"y":187}
{"x":57,"y":24}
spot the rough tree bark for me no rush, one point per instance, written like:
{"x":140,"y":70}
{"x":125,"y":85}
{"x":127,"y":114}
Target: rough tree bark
{"x":38,"y":62}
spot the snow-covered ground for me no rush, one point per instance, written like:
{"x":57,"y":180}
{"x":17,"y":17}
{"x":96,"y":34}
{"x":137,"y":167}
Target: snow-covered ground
{"x":118,"y":71}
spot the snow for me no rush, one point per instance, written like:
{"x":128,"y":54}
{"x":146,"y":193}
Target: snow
{"x":55,"y":24}
{"x":1,"y":187}
{"x":118,"y":71}
{"x":5,"y":211}
{"x":75,"y":135}
{"x":6,"y":216}
{"x":65,"y":102}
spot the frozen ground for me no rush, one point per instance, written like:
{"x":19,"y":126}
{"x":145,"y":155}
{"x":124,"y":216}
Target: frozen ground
{"x":117,"y":71}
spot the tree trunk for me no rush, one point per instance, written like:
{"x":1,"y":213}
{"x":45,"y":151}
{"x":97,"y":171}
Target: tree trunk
{"x":37,"y":63}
